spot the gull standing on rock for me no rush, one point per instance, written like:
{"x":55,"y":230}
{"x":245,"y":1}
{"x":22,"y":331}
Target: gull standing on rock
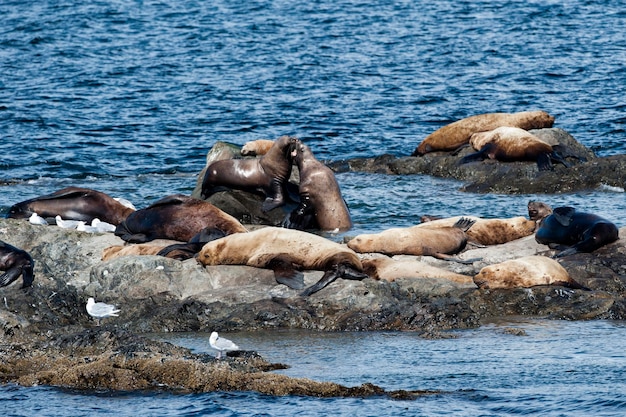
{"x":100,"y":310}
{"x":221,"y":345}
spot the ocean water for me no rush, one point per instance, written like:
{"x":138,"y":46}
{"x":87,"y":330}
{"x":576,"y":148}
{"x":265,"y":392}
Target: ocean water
{"x":127,"y":96}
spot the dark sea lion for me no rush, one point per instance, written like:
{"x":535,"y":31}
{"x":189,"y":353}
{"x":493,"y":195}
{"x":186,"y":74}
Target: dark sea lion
{"x":321,"y":204}
{"x":267,"y":174}
{"x":439,"y":242}
{"x":176,"y":217}
{"x":509,"y":144}
{"x":528,"y":271}
{"x":286,"y":251}
{"x":571,"y":231}
{"x":73,"y":203}
{"x":256,"y":147}
{"x":15,"y":262}
{"x":457,"y":134}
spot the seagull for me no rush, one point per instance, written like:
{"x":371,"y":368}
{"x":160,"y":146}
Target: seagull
{"x":101,"y":226}
{"x":100,"y":310}
{"x":221,"y":345}
{"x":67,"y":224}
{"x":37,"y":219}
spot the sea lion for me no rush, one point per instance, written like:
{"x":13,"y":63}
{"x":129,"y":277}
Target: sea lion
{"x":267,"y":174}
{"x":73,"y":203}
{"x":508,"y":144}
{"x":537,"y":211}
{"x":528,"y":271}
{"x":488,"y":231}
{"x":256,"y":147}
{"x":284,"y":251}
{"x":571,"y":231}
{"x":457,"y":134}
{"x":117,"y":251}
{"x":15,"y":262}
{"x":389,"y":269}
{"x":175,"y":217}
{"x":321,"y":204}
{"x":438,"y":242}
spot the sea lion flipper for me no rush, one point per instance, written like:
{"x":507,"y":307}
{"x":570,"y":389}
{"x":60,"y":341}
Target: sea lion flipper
{"x":328,"y":277}
{"x":564,"y":215}
{"x":302,"y":218}
{"x":10,"y":275}
{"x":180,"y":251}
{"x":285,"y":273}
{"x":544,"y":162}
{"x":464,"y":223}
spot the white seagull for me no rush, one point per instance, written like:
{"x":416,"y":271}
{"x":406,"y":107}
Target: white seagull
{"x":100,"y":310}
{"x":67,"y":224}
{"x":37,"y":219}
{"x":221,"y":345}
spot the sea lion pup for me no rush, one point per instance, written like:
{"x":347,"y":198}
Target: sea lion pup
{"x":509,"y":144}
{"x":321,"y":204}
{"x":256,"y":147}
{"x":572,"y":231}
{"x":73,"y":203}
{"x":176,"y":217}
{"x":438,"y":242}
{"x":528,"y":271}
{"x":389,"y":269}
{"x":267,"y":174}
{"x":457,"y":134}
{"x":488,"y":231}
{"x":538,"y":211}
{"x":15,"y":262}
{"x":284,"y":251}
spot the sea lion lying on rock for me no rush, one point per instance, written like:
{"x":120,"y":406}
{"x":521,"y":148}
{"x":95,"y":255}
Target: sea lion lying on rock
{"x":528,"y":271}
{"x":176,"y":217}
{"x":256,"y":147}
{"x":285,"y":251}
{"x":571,"y":231}
{"x":488,"y":231}
{"x":389,"y":269}
{"x":457,"y":134}
{"x":438,"y":242}
{"x":513,"y":144}
{"x":73,"y":203}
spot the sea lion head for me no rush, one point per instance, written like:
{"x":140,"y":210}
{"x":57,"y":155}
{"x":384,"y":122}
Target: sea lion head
{"x":538,"y":211}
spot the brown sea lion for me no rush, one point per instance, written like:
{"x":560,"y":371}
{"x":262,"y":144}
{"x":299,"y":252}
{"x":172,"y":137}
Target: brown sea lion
{"x":457,"y":134}
{"x":389,"y":269}
{"x":176,"y":217}
{"x":256,"y":147}
{"x":538,"y":211}
{"x":488,"y":231}
{"x":572,"y":231}
{"x":73,"y":203}
{"x":438,"y":242}
{"x":528,"y":271}
{"x":15,"y":262}
{"x":321,"y":204}
{"x":285,"y":251}
{"x":509,"y":144}
{"x":267,"y":174}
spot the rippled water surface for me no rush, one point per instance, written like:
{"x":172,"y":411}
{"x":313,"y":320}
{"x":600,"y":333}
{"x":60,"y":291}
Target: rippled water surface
{"x":128,"y":96}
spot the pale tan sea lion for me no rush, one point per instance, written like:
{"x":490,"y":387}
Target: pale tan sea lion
{"x":118,"y":251}
{"x":489,"y":231}
{"x":538,"y":211}
{"x":256,"y":147}
{"x":285,"y":251}
{"x":509,"y":144}
{"x":457,"y":134}
{"x":389,"y":269}
{"x":439,"y":242}
{"x":321,"y":203}
{"x":528,"y":271}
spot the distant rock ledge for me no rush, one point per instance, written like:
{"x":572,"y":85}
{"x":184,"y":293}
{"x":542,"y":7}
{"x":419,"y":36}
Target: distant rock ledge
{"x":587,"y":172}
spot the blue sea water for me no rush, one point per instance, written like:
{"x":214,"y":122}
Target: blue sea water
{"x":127,"y":96}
